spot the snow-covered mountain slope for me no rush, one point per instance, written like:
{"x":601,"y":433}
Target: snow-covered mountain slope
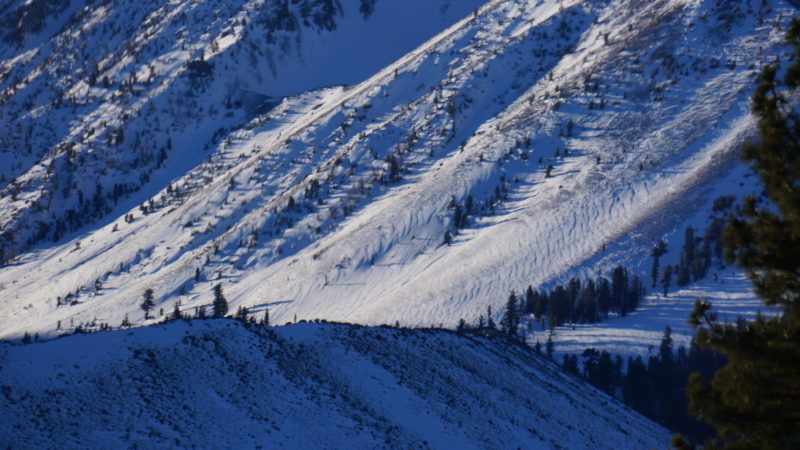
{"x":550,"y":138}
{"x":98,"y":98}
{"x":220,"y":384}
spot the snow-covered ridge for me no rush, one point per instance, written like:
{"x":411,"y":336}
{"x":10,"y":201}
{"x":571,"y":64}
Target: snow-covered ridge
{"x":581,"y":132}
{"x":221,"y":384}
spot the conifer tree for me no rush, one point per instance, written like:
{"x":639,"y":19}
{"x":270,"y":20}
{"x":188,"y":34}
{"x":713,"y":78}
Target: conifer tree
{"x":510,"y":318}
{"x":604,"y":296}
{"x":241,"y":313}
{"x":619,"y":289}
{"x":754,"y":401}
{"x":658,"y":251}
{"x":220,"y":305}
{"x":147,"y":303}
{"x":687,"y":258}
{"x":666,"y":279}
{"x":462,"y":326}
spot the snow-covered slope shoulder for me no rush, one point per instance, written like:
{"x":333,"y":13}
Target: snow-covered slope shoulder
{"x":214,"y":383}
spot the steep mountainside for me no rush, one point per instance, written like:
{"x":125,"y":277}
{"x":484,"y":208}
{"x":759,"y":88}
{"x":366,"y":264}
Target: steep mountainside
{"x":546,"y":138}
{"x":221,"y":384}
{"x":99,"y":97}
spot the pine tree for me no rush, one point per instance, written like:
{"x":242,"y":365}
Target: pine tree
{"x":510,"y":318}
{"x":604,"y":296}
{"x":176,"y":311}
{"x":754,"y":401}
{"x":666,"y":279}
{"x":619,"y":289}
{"x":448,"y":237}
{"x":241,"y":313}
{"x":220,"y":304}
{"x":462,"y":326}
{"x":147,"y":304}
{"x":658,"y":251}
{"x":687,"y":258}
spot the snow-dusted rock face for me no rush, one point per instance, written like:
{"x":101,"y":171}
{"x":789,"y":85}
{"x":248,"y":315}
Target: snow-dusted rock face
{"x":550,"y":138}
{"x":215,"y":384}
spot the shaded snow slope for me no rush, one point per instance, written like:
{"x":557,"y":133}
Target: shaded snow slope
{"x":572,"y":134}
{"x":220,"y":384}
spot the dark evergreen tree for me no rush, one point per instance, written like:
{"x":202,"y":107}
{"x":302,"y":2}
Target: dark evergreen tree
{"x":635,"y":293}
{"x":557,"y":309}
{"x":570,"y":365}
{"x":510,"y":316}
{"x":265,"y":320}
{"x":666,"y":279}
{"x":220,"y":305}
{"x":687,"y":258}
{"x":658,"y":251}
{"x":604,"y":297}
{"x":462,"y":326}
{"x":619,"y":289}
{"x":242,"y":313}
{"x":573,"y":291}
{"x":754,"y":401}
{"x":448,"y":237}
{"x":585,"y":303}
{"x":147,"y":303}
{"x":530,"y":300}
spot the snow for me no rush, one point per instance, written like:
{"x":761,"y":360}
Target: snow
{"x":255,"y":111}
{"x":667,"y":140}
{"x":221,"y":384}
